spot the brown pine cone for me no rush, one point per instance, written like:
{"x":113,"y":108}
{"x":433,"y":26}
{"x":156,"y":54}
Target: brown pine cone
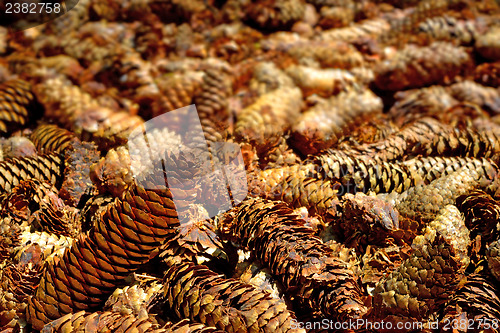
{"x":429,"y":277}
{"x":367,"y":29}
{"x":411,"y":105}
{"x":275,"y":14}
{"x":493,"y":257}
{"x":126,"y":235}
{"x":304,"y":265}
{"x":79,"y":158}
{"x":368,"y":220}
{"x":224,"y":303}
{"x":448,"y":28}
{"x":272,"y":113}
{"x":425,"y":201}
{"x":359,"y":174}
{"x":475,"y":306}
{"x":17,"y":146}
{"x":321,"y":126}
{"x":488,"y":74}
{"x":17,"y":105}
{"x":334,"y":54}
{"x":488,"y":44}
{"x":268,"y":77}
{"x":135,"y":299}
{"x":176,"y":92}
{"x":51,"y":138}
{"x":487,"y":98}
{"x":47,"y":167}
{"x":414,"y":67}
{"x":482,"y":215}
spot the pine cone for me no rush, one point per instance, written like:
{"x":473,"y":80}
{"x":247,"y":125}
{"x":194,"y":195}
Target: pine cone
{"x":324,"y":124}
{"x":429,"y":277}
{"x":482,"y":215}
{"x":51,"y":138}
{"x":368,"y":220}
{"x":275,"y":14}
{"x":487,"y":98}
{"x":488,"y":74}
{"x":447,"y":28}
{"x":224,"y":303}
{"x":48,"y":167}
{"x":488,"y":45}
{"x":272,"y":113}
{"x":79,"y":158}
{"x":17,"y":146}
{"x":476,"y":302}
{"x":303,"y":264}
{"x":125,"y":236}
{"x":17,"y":105}
{"x":425,"y":201}
{"x":367,"y":29}
{"x":414,"y":67}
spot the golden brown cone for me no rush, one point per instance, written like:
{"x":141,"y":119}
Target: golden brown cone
{"x":414,"y":66}
{"x":51,"y":138}
{"x":17,"y":105}
{"x":197,"y":293}
{"x":426,"y":280}
{"x":47,"y":167}
{"x":304,"y":265}
{"x":124,"y":236}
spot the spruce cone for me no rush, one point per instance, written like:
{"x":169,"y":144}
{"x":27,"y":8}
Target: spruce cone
{"x":51,"y":138}
{"x":135,"y":299}
{"x":224,"y":303}
{"x":272,"y":113}
{"x":425,"y":201}
{"x":482,"y":215}
{"x":368,"y":220}
{"x":126,"y":235}
{"x":415,"y":67}
{"x":334,"y":54}
{"x":429,"y":277}
{"x":486,"y":97}
{"x":488,"y":74}
{"x":488,"y":44}
{"x":357,"y":174}
{"x":17,"y":105}
{"x":79,"y":158}
{"x":16,"y":146}
{"x":447,"y":28}
{"x":366,"y":29}
{"x":275,"y":14}
{"x":476,"y":304}
{"x":268,"y":77}
{"x":304,"y":265}
{"x":323,"y":125}
{"x":414,"y":104}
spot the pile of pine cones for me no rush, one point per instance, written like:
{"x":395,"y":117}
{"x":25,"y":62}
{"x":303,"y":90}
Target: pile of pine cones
{"x":370,"y":133}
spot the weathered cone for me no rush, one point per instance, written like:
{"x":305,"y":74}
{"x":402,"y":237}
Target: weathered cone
{"x":49,"y":138}
{"x":304,"y":265}
{"x":197,"y":293}
{"x":429,"y":277}
{"x":476,"y":302}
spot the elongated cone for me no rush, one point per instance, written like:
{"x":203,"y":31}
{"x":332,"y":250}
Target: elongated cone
{"x":295,"y":185}
{"x":17,"y":105}
{"x":414,"y":66}
{"x":411,"y":105}
{"x":482,"y":215}
{"x":425,"y":201}
{"x":104,"y":322}
{"x":197,"y":293}
{"x":275,"y":14}
{"x":428,"y":279}
{"x":124,"y":236}
{"x":51,"y":138}
{"x":334,"y":54}
{"x":212,"y":104}
{"x":476,"y":302}
{"x":488,"y":45}
{"x":48,"y":167}
{"x":372,"y":28}
{"x":358,"y":174}
{"x":428,"y":169}
{"x":304,"y":265}
{"x":487,"y":98}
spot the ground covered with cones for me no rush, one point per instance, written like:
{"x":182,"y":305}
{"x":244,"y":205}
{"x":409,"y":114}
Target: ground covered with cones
{"x":370,"y":136}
